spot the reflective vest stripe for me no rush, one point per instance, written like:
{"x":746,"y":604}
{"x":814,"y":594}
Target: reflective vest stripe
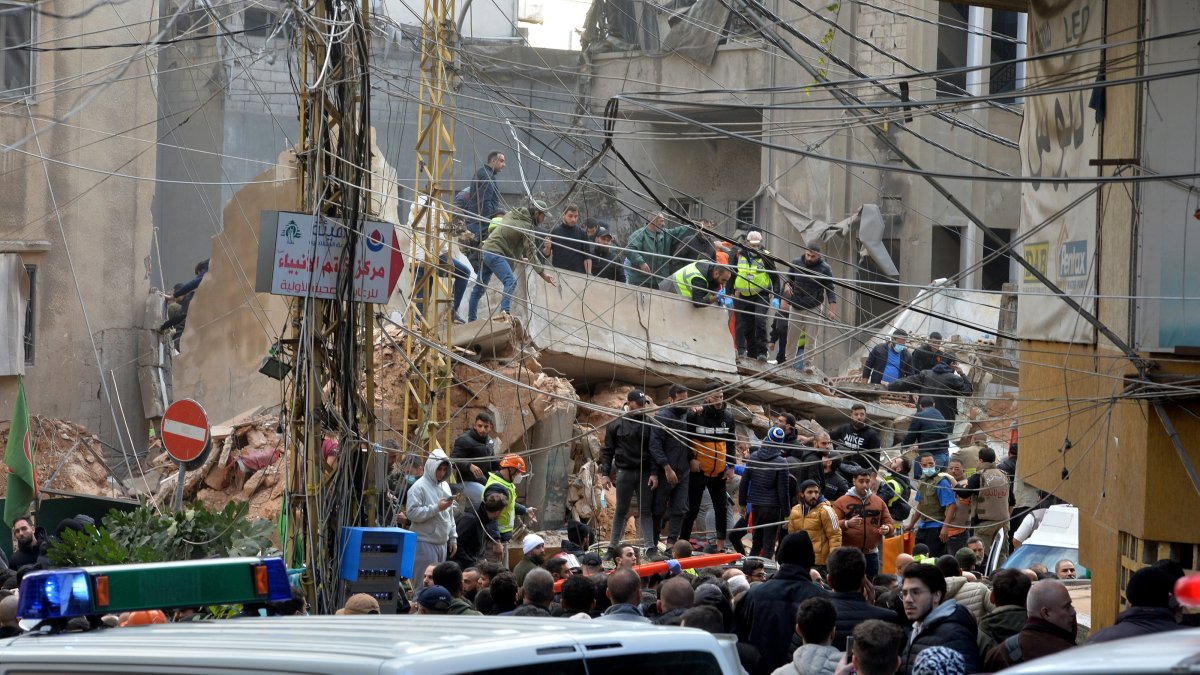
{"x":752,"y":277}
{"x":684,"y":278}
{"x":506,"y":518}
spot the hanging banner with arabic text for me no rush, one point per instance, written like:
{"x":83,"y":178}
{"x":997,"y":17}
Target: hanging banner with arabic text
{"x":302,"y":255}
{"x":1058,"y":139}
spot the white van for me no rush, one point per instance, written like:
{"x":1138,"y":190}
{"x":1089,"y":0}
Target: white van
{"x":377,"y":645}
{"x":1057,"y":538}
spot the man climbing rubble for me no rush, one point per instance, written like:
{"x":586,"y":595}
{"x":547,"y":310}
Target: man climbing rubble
{"x":511,"y":242}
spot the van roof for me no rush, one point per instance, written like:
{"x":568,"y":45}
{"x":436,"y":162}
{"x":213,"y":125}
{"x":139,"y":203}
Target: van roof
{"x":355,"y":643}
{"x":1059,"y":528}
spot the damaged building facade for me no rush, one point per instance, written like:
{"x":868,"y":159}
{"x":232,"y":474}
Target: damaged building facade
{"x":691,"y":156}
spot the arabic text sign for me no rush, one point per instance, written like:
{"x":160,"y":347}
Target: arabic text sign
{"x":308,"y":257}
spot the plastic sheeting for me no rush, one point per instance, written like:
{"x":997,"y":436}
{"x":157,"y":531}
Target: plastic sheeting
{"x":870,"y":229}
{"x":693,"y":36}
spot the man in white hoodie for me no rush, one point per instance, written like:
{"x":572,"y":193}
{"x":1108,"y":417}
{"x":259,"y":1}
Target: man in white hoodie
{"x":431,"y":513}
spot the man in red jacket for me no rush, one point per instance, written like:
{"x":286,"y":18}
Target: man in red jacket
{"x":864,"y":520}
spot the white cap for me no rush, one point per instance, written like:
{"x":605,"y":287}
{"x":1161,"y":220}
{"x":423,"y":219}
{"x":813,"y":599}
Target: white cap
{"x":754,"y":238}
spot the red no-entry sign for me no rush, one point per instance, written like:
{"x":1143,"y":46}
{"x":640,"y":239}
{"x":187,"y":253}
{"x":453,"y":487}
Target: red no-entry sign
{"x":185,"y":430}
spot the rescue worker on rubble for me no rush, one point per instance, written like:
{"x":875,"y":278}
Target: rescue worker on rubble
{"x":703,"y":282}
{"x":627,"y":450}
{"x":505,"y":479}
{"x":755,"y":286}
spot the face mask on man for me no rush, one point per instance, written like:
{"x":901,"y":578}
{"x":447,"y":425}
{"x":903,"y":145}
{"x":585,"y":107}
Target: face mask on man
{"x":410,"y":479}
{"x":899,"y":349}
{"x":928,"y":471}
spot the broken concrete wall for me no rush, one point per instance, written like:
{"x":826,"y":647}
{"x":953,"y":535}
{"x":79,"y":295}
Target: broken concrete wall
{"x":230,"y":327}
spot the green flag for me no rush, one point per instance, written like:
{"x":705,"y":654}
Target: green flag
{"x":18,"y":456}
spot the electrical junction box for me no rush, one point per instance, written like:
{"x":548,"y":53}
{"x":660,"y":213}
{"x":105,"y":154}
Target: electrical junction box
{"x":374,"y":559}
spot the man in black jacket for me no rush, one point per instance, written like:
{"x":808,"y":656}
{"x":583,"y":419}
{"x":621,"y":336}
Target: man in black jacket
{"x":765,"y":488}
{"x":606,"y":258}
{"x":847,"y":569}
{"x":672,"y":454}
{"x":811,"y":285}
{"x":476,"y":526}
{"x":627,"y":449}
{"x":30,"y":544}
{"x":766,"y":614}
{"x":944,"y":384}
{"x":1149,"y":596}
{"x":889,"y":360}
{"x":473,"y":456}
{"x":929,"y":432}
{"x":936,"y":622}
{"x":925,"y":357}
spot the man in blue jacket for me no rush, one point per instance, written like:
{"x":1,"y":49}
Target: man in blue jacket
{"x":670,"y":448}
{"x":889,"y":361}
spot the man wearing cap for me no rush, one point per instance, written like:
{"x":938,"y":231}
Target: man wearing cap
{"x":534,"y":548}
{"x":702,"y":282}
{"x":766,"y":614}
{"x":765,"y":486}
{"x":926,"y":356}
{"x":754,"y":286}
{"x":671,"y":450}
{"x":513,"y":241}
{"x":592,"y":565}
{"x":433,"y":600}
{"x":650,"y":248}
{"x":627,"y":451}
{"x":567,"y":246}
{"x":889,"y":360}
{"x":811,"y":286}
{"x":606,"y":258}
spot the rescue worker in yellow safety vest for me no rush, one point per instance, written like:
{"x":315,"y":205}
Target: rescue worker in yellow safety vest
{"x":702,"y":282}
{"x":505,"y":480}
{"x":755,"y":287}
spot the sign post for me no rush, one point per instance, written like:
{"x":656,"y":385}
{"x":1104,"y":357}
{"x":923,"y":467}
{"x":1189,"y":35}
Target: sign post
{"x":185,"y":436}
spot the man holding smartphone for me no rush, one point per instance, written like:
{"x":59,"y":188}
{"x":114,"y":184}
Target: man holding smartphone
{"x":430,"y":513}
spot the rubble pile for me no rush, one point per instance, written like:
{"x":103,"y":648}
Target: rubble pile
{"x":245,"y":464}
{"x":68,"y":458}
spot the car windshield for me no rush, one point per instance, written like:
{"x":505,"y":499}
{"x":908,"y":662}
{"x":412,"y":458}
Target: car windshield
{"x":1031,"y":554}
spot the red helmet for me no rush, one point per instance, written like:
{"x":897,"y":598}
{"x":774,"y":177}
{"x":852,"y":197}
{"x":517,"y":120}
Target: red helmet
{"x":511,"y":461}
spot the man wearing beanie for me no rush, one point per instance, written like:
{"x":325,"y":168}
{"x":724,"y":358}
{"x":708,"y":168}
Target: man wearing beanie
{"x":814,"y":515}
{"x":534,"y":548}
{"x":764,"y":486}
{"x":766,"y":614}
{"x":1149,"y":596}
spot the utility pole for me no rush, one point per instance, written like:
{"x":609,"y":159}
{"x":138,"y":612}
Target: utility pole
{"x":329,"y":341}
{"x":426,"y":394}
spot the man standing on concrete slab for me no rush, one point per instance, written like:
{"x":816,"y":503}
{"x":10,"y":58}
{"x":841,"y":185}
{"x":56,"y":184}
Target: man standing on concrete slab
{"x":811,"y":286}
{"x":627,"y":450}
{"x":649,"y":251}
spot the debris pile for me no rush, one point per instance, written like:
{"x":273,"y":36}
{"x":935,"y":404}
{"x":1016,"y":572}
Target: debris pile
{"x":244,"y":464}
{"x":68,"y":458}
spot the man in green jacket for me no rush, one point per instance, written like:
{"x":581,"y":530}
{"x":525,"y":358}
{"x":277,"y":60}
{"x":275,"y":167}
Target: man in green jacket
{"x":512,"y":241}
{"x":649,"y":251}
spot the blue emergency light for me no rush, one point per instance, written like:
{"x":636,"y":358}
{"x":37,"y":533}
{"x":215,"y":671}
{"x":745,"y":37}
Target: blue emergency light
{"x":66,"y":593}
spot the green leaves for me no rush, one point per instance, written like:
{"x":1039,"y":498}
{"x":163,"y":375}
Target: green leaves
{"x":142,"y":535}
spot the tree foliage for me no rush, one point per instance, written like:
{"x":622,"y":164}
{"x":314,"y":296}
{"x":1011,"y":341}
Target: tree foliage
{"x":145,"y":535}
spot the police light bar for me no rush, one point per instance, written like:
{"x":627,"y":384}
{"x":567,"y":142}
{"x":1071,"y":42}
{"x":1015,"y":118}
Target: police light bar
{"x":66,"y":593}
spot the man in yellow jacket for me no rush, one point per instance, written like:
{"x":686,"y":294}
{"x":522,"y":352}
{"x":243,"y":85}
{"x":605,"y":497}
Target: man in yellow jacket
{"x":816,"y":516}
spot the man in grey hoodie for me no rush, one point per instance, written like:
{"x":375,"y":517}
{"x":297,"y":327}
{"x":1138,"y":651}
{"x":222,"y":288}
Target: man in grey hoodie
{"x":815,"y":623}
{"x":431,"y":513}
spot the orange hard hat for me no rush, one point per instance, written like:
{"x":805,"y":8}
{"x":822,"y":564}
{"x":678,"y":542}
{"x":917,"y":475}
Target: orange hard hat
{"x":511,"y":461}
{"x":145,"y":617}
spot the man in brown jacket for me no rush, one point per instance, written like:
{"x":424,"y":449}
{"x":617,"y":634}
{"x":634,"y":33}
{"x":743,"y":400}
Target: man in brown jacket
{"x":864,"y":520}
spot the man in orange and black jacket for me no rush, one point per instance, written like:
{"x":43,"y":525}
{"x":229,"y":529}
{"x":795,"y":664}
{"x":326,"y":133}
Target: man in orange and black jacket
{"x":714,"y":454}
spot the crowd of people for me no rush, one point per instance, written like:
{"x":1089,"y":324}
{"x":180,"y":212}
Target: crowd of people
{"x":686,"y":259}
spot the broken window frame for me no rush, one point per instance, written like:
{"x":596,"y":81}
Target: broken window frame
{"x":29,"y":334}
